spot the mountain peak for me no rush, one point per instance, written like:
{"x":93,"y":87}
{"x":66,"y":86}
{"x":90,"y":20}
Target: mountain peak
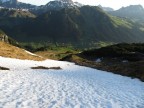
{"x":59,"y":4}
{"x":15,"y":4}
{"x":133,"y":7}
{"x":66,"y":1}
{"x":106,"y":8}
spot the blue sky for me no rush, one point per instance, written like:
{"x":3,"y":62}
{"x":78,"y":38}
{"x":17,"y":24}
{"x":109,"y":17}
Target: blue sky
{"x":116,"y":4}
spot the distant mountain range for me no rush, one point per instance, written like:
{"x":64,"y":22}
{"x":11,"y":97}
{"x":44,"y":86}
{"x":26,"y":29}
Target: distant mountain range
{"x":63,"y":21}
{"x":57,"y":4}
{"x":14,"y":13}
{"x":15,"y":4}
{"x":133,"y":12}
{"x":107,"y":9}
{"x":84,"y":25}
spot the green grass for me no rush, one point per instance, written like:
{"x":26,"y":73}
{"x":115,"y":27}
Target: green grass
{"x":58,"y":51}
{"x":121,"y":22}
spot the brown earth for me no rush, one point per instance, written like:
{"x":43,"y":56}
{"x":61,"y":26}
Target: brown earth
{"x":7,"y":50}
{"x":130,"y":69}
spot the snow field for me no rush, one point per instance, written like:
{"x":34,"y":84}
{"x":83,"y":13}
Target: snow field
{"x":72,"y":87}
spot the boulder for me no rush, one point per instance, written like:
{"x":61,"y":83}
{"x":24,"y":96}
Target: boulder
{"x":4,"y":38}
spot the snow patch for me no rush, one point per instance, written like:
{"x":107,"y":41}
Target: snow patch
{"x":98,"y":60}
{"x":32,"y":54}
{"x":72,"y":87}
{"x":125,"y":61}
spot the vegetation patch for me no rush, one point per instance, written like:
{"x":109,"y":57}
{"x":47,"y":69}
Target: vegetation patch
{"x":58,"y":51}
{"x":124,"y":59}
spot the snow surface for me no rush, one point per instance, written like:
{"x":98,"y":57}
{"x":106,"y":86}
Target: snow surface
{"x":72,"y":87}
{"x":98,"y":60}
{"x":32,"y":54}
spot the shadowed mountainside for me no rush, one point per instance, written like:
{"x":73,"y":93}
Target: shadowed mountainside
{"x":85,"y":26}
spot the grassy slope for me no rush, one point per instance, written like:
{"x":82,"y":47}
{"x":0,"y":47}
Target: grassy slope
{"x":7,"y":50}
{"x":112,"y":58}
{"x":57,"y":53}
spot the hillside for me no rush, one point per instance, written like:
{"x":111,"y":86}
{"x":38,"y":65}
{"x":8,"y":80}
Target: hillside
{"x":133,"y":12}
{"x":68,"y":55}
{"x":7,"y":50}
{"x":80,"y":26}
{"x":4,"y":37}
{"x":7,"y":39}
{"x":107,"y":9}
{"x":124,"y":59}
{"x":14,"y":13}
{"x":16,"y":4}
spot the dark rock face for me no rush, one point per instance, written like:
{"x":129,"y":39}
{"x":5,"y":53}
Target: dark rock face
{"x":4,"y":38}
{"x":7,"y":39}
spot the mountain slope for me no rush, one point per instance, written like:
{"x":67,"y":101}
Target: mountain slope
{"x":16,"y":4}
{"x":124,"y":59}
{"x":85,"y":26}
{"x":133,"y":12}
{"x":7,"y":50}
{"x":107,"y":9}
{"x":5,"y":13}
{"x":7,"y":39}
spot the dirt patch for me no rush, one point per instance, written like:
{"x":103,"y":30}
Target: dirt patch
{"x":131,"y":69}
{"x":42,"y":67}
{"x":4,"y":68}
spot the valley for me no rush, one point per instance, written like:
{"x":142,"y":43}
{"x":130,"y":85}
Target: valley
{"x":66,"y":54}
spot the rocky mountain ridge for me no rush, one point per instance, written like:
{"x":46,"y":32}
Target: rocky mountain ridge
{"x":133,"y":12}
{"x":56,"y":4}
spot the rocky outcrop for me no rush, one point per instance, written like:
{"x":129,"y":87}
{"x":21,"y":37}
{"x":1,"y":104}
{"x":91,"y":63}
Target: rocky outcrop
{"x":4,"y":38}
{"x":7,"y":39}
